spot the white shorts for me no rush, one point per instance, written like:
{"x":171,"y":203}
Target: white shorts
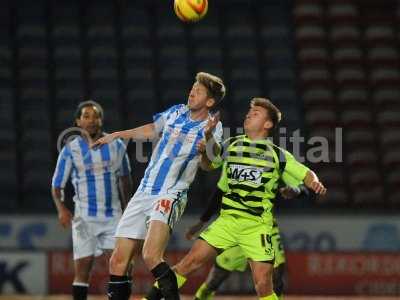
{"x":143,"y":208}
{"x":92,"y":237}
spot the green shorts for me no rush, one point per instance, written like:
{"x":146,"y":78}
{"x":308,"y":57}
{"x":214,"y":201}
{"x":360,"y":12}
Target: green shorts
{"x":252,"y":236}
{"x":233,"y":259}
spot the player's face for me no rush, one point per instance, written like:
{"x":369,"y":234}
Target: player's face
{"x":257,"y":119}
{"x":90,"y":120}
{"x":198,"y":97}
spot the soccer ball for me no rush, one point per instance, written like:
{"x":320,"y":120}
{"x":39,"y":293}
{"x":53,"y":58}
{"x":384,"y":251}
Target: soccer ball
{"x":190,"y":10}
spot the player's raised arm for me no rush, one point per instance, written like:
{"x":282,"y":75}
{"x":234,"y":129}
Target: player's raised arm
{"x":209,"y":148}
{"x":139,"y":133}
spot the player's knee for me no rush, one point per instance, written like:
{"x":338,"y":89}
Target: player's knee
{"x":151,"y":258}
{"x":118,"y":263}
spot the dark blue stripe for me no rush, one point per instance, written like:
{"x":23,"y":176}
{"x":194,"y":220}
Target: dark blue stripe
{"x":193,"y":153}
{"x":161,"y":146}
{"x":166,"y":165}
{"x":61,"y":168}
{"x":90,"y":179}
{"x":105,"y":156}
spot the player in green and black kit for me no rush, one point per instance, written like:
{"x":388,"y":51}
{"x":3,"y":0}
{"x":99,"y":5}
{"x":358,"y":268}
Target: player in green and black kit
{"x":233,"y":259}
{"x":253,"y":167}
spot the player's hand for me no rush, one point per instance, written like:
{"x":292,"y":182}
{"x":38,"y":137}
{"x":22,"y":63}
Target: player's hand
{"x":318,"y":187}
{"x":201,"y":146}
{"x":194,"y":230}
{"x":64,"y":217}
{"x":211,"y":124}
{"x":288,"y":192}
{"x":108,"y":138}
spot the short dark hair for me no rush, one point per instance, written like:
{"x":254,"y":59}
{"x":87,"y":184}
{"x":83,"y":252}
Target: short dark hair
{"x":273,"y":112}
{"x":214,"y":85}
{"x":82,"y":105}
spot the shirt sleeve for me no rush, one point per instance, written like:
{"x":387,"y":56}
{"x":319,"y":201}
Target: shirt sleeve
{"x":291,"y":181}
{"x":293,"y":170}
{"x":63,"y":168}
{"x":161,"y":118}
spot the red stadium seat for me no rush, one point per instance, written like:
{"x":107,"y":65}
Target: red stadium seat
{"x":318,"y":96}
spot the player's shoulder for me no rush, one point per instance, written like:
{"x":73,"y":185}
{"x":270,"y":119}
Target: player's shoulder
{"x":72,"y":145}
{"x":178,"y":108}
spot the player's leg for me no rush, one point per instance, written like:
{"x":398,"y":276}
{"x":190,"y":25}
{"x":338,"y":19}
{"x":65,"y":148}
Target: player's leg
{"x":130,"y":233}
{"x":262,"y":277}
{"x":82,"y":268}
{"x":200,"y":253}
{"x":217,"y":236}
{"x":153,"y":255}
{"x":256,"y":243}
{"x":232,"y":259}
{"x":84,"y":247}
{"x":125,"y":252}
{"x":166,"y":212}
{"x":207,"y":289}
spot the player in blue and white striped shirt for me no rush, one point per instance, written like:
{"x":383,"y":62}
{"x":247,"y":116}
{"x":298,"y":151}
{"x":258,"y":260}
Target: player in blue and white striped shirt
{"x":162,"y":195}
{"x":96,"y":175}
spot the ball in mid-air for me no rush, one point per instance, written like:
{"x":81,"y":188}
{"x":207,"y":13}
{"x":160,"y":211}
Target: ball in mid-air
{"x":190,"y":10}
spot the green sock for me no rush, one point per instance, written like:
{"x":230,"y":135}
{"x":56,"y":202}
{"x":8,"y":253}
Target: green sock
{"x":270,"y":297}
{"x":180,"y":280}
{"x":203,"y":293}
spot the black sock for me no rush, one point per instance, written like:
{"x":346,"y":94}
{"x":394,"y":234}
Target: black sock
{"x":154,"y":294}
{"x":166,"y":279}
{"x":119,"y":288}
{"x":79,"y":291}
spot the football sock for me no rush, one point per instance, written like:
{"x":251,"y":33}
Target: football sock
{"x":79,"y":290}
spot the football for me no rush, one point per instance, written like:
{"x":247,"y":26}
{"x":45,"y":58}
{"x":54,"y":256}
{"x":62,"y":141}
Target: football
{"x":190,"y":10}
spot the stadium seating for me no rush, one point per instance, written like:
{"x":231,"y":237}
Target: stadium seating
{"x":326,"y":64}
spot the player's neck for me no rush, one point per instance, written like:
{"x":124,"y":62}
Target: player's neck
{"x":91,"y":139}
{"x":256,"y":135}
{"x":199,"y":115}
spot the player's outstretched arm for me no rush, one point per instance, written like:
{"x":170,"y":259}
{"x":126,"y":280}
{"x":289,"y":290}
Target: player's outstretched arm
{"x":312,"y":182}
{"x":143,"y":132}
{"x":64,"y":214}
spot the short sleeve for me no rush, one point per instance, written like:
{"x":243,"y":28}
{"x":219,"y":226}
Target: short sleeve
{"x":293,"y":170}
{"x":161,"y":118}
{"x":63,"y":168}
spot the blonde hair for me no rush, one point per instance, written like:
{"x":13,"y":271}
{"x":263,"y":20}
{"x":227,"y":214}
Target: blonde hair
{"x":273,"y":112}
{"x":214,"y":85}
